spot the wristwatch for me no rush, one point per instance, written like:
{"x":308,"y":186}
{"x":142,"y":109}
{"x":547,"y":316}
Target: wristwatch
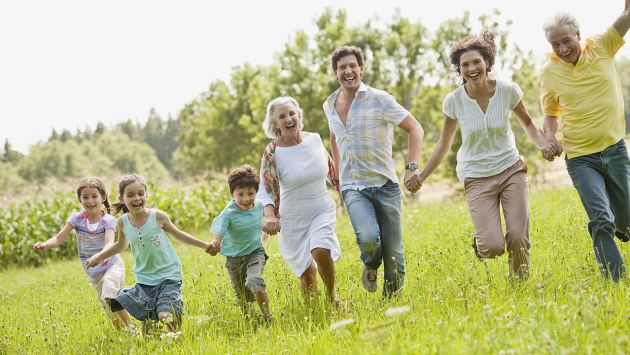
{"x":411,"y":166}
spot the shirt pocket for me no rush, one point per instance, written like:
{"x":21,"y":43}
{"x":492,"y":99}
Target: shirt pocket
{"x":599,"y":70}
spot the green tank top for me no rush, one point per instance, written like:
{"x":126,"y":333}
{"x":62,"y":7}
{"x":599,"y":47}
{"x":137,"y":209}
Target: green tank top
{"x":156,"y":259}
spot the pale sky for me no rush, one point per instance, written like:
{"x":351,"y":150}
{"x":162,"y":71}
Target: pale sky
{"x":68,"y":64}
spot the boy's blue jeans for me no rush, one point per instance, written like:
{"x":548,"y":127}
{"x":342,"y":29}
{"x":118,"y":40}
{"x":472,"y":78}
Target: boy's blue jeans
{"x":376,"y":216}
{"x":603,"y":182}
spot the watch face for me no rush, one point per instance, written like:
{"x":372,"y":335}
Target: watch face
{"x":411,"y":166}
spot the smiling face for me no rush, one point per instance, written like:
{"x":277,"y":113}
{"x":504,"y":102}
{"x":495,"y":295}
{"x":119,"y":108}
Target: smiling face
{"x":349,"y":72}
{"x":565,"y":43}
{"x":473,"y":67}
{"x":244,"y":197}
{"x":288,"y":120}
{"x":91,"y":199}
{"x":135,"y":197}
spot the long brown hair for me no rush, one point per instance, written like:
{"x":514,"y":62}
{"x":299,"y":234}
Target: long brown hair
{"x":122,"y":184}
{"x":95,"y":183}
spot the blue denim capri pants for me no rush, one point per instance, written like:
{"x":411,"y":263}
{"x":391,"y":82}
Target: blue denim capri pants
{"x":144,"y":302}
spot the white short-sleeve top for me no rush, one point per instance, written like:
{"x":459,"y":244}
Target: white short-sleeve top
{"x":488,"y":145}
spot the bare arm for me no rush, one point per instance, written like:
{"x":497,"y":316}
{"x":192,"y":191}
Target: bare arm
{"x":335,"y":154}
{"x":416,"y":137}
{"x":164,"y":222}
{"x":550,"y":127}
{"x":54,"y":241}
{"x":441,"y":148}
{"x":622,"y":23}
{"x":272,"y":223}
{"x":531,"y":128}
{"x":110,"y":248}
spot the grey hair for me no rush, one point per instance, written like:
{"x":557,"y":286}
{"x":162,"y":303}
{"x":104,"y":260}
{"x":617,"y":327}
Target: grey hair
{"x":270,"y":118}
{"x":561,"y":18}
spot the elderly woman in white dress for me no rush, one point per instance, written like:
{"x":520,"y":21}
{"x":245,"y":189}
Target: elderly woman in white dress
{"x":295,"y":167}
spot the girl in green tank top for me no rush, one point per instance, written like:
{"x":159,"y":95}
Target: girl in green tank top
{"x":158,"y":269}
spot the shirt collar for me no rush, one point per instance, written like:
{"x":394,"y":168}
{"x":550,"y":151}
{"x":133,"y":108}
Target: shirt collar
{"x":362,"y":88}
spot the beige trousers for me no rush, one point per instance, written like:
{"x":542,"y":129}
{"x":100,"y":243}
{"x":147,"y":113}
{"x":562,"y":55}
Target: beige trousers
{"x":508,"y":189}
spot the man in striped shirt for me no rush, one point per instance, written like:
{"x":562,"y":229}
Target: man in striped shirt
{"x":361,"y":121}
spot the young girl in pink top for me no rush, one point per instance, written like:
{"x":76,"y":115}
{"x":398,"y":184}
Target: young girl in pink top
{"x":95,"y":229}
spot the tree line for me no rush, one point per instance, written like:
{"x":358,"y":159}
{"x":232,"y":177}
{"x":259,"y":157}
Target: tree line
{"x":221,"y":128}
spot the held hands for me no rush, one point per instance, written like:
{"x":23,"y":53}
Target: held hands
{"x":271,"y":227}
{"x":213,"y":248}
{"x":39,"y":247}
{"x":413,"y":181}
{"x":552,"y":149}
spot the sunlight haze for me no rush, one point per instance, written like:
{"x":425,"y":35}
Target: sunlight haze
{"x":68,"y":64}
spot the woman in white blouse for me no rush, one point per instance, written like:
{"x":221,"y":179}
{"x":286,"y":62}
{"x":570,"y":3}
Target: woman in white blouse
{"x":488,"y":162}
{"x":295,"y":167}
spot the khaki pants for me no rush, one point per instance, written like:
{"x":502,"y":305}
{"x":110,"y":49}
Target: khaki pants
{"x":484,"y":195}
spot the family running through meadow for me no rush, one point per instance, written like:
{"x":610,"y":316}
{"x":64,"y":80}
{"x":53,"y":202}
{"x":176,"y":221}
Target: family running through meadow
{"x":579,"y":83}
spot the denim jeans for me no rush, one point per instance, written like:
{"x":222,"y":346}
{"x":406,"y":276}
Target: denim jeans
{"x":603,"y":182}
{"x":376,"y":216}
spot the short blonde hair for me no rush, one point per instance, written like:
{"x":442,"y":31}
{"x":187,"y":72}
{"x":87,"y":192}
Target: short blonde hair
{"x":561,"y":18}
{"x":270,"y":118}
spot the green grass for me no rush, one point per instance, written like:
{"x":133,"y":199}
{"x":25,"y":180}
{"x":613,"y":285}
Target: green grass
{"x":457,"y":305}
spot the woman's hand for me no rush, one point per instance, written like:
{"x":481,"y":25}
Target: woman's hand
{"x":272,"y":225}
{"x":413,"y":181}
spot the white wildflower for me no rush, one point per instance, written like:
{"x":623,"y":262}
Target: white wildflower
{"x":396,"y":310}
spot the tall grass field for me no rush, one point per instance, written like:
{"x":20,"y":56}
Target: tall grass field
{"x":451,"y":302}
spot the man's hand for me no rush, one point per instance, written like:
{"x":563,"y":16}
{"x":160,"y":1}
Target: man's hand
{"x":552,"y":149}
{"x":412,"y":180}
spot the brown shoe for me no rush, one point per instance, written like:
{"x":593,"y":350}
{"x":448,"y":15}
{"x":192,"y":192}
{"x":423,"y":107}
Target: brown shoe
{"x":369,"y":279}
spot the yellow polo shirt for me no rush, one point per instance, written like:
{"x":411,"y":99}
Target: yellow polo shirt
{"x":588,"y":96}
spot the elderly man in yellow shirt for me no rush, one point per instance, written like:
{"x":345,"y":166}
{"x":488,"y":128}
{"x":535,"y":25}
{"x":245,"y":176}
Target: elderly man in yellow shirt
{"x":579,"y":83}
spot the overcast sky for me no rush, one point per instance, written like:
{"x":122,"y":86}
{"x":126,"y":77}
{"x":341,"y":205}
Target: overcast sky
{"x":68,"y":64}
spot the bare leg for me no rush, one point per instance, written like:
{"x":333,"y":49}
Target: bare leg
{"x":263,"y":302}
{"x":308,"y":283}
{"x":326,"y":269}
{"x":124,"y":319}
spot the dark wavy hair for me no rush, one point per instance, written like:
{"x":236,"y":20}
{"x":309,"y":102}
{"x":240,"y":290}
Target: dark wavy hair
{"x":482,"y":43}
{"x":345,"y":51}
{"x":243,"y":177}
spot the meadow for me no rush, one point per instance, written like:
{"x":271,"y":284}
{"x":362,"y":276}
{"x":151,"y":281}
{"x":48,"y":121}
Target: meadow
{"x":451,"y":302}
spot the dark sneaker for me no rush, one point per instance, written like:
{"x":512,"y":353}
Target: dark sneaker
{"x":624,"y":237}
{"x":369,"y":279}
{"x":475,"y":248}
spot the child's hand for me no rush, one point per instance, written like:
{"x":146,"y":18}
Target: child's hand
{"x":213,"y":248}
{"x":39,"y":247}
{"x":92,"y":262}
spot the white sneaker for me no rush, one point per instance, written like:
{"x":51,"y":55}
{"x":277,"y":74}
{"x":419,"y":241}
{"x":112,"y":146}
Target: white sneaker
{"x":369,"y":279}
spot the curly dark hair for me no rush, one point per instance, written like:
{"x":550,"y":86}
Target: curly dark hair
{"x":482,"y":43}
{"x":243,"y":177}
{"x":345,"y":51}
